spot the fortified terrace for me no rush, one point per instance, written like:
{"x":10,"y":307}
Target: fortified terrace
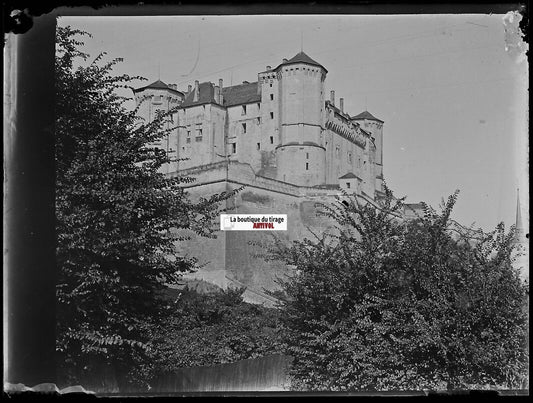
{"x":280,"y":137}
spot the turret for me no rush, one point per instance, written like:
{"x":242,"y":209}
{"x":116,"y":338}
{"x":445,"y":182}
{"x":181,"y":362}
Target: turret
{"x":155,"y":97}
{"x":371,"y":124}
{"x":301,"y":158}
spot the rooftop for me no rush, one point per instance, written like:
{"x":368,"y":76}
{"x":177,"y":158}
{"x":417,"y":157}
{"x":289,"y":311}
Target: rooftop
{"x":158,"y":85}
{"x":302,"y":58}
{"x":366,"y":115}
{"x":349,"y":175}
{"x":241,"y":94}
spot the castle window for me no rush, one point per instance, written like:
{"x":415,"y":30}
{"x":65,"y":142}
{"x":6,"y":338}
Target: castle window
{"x":157,"y":99}
{"x":244,"y":127}
{"x":188,"y":140}
{"x":270,"y":85}
{"x":258,"y":106}
{"x":307,"y":155}
{"x":271,"y":97}
{"x":271,"y":140}
{"x":348,"y":185}
{"x":271,"y":115}
{"x":258,"y":121}
{"x":198,"y":139}
{"x":188,"y":133}
{"x":234,"y":148}
{"x":350,"y":158}
{"x":243,"y":110}
{"x":307,"y":166}
{"x":258,"y":146}
{"x":337,"y":151}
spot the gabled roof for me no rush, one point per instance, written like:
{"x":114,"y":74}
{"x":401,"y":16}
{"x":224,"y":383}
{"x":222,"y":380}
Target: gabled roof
{"x":302,"y":58}
{"x":366,"y":115}
{"x":207,"y":93}
{"x":158,"y":85}
{"x":232,"y":96}
{"x":240,"y":94}
{"x":349,"y":175}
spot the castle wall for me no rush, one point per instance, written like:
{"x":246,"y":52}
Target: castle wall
{"x":234,"y":259}
{"x":245,"y":130}
{"x":302,"y":164}
{"x":200,"y":135}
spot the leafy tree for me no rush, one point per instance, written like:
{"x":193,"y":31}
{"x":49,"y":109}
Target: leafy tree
{"x":384,"y":303}
{"x":210,"y":328}
{"x":118,"y":218}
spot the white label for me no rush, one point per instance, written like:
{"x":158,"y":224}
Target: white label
{"x":253,"y":222}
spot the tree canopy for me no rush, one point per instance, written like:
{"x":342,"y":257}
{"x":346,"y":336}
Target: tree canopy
{"x":118,"y":218}
{"x":385,"y":303}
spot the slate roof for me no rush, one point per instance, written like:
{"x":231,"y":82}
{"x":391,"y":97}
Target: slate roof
{"x":232,"y":96}
{"x":240,"y":94}
{"x":158,"y":85}
{"x":366,"y":115}
{"x":349,"y":175}
{"x":207,"y":93}
{"x":302,"y":58}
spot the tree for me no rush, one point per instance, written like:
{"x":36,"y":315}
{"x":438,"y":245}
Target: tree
{"x":118,"y":219}
{"x":389,"y":304}
{"x":207,"y":329}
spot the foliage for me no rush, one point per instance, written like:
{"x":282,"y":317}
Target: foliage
{"x":210,"y":329}
{"x":384,"y":303}
{"x":118,"y":218}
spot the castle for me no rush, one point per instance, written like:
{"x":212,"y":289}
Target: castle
{"x":280,"y":138}
{"x":281,"y":126}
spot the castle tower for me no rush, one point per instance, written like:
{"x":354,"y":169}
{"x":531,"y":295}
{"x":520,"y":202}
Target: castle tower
{"x":375,"y":126}
{"x":300,"y":155}
{"x":155,"y":97}
{"x":521,"y":243}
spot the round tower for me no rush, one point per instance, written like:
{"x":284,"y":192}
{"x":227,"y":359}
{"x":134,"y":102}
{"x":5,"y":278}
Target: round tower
{"x":375,"y":126}
{"x":156,"y":97}
{"x":300,"y":155}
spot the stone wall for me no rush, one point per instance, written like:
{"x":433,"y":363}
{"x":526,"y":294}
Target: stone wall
{"x":232,"y":258}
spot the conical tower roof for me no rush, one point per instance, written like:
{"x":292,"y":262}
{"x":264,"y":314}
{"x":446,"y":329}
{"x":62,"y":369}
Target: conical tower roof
{"x":366,"y":115}
{"x":302,"y":57}
{"x":158,"y":85}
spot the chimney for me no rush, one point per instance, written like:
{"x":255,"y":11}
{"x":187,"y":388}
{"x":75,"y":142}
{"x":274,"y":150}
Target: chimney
{"x":196,"y":91}
{"x":285,"y":60}
{"x":189,"y":89}
{"x":217,"y":94}
{"x":332,"y":97}
{"x":173,"y":86}
{"x":269,"y":68}
{"x":341,"y":102}
{"x":220,"y":82}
